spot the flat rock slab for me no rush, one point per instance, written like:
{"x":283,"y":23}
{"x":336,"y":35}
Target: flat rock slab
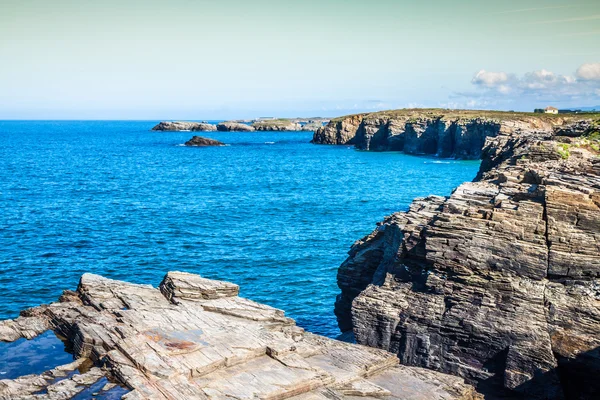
{"x":194,"y":338}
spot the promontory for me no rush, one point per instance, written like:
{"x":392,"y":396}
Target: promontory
{"x":499,"y":282}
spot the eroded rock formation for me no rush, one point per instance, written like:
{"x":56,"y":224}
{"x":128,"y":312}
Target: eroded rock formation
{"x":200,"y":141}
{"x":444,"y":133}
{"x":277,"y":125}
{"x":234,"y":126}
{"x":185,"y":126}
{"x":498,"y":283}
{"x":194,"y":338}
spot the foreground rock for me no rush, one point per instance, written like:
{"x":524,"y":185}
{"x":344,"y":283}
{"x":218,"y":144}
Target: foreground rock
{"x":200,"y":141}
{"x":185,"y":126}
{"x":499,"y":283}
{"x":276,"y":125}
{"x":234,"y":126}
{"x":444,"y":133}
{"x":194,"y":338}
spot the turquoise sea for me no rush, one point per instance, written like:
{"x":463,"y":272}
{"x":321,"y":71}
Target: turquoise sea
{"x":270,"y":212}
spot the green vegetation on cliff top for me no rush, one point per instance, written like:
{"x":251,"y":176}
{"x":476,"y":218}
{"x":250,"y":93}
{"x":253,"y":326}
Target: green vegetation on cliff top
{"x":272,"y":122}
{"x":418,"y":113}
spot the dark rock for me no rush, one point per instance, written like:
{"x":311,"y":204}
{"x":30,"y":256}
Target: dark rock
{"x":202,"y":141}
{"x":444,"y":133}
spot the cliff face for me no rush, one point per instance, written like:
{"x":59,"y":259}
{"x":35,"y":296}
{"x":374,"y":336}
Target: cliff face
{"x":499,"y":283}
{"x":444,"y":133}
{"x":194,"y":338}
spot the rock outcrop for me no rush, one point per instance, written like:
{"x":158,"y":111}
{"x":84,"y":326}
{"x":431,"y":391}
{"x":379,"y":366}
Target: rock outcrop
{"x":312,"y":126}
{"x":200,"y":141}
{"x":234,"y":126}
{"x":276,"y":125}
{"x":444,"y":133}
{"x":185,"y":126}
{"x":498,"y":283}
{"x":194,"y":338}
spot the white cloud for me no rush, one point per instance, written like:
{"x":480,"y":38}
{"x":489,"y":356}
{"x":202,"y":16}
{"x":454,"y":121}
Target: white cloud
{"x":538,"y":87}
{"x":486,"y":78}
{"x":589,"y":72}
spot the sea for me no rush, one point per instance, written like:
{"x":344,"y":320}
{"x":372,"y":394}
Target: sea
{"x":270,"y":211}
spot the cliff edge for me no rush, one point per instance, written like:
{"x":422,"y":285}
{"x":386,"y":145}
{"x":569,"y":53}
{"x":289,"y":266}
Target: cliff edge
{"x":499,"y":282}
{"x":444,"y":133}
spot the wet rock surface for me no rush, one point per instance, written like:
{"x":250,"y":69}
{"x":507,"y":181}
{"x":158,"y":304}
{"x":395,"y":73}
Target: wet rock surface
{"x":498,"y":283}
{"x":194,"y":338}
{"x":184,"y":126}
{"x":200,"y":141}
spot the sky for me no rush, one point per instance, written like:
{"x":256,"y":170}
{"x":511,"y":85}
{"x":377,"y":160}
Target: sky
{"x":196,"y":59}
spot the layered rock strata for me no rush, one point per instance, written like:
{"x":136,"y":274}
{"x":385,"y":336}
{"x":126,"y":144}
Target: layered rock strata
{"x":184,"y":126}
{"x":498,"y":283}
{"x":444,"y":133}
{"x":194,"y":338}
{"x":234,"y":126}
{"x":200,"y":141}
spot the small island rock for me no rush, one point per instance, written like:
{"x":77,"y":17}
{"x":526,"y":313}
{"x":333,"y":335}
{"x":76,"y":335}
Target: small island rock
{"x":234,"y":126}
{"x":184,"y":126}
{"x":200,"y":141}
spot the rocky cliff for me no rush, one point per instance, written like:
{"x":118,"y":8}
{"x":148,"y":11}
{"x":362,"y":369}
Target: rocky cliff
{"x":500,"y":282}
{"x":194,"y":338}
{"x":234,"y":126}
{"x":277,"y":125}
{"x":184,"y":126}
{"x":444,"y":133}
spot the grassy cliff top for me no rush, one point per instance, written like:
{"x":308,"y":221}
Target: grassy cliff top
{"x":273,"y":122}
{"x":415,"y":113}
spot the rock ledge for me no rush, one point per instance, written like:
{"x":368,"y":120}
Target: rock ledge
{"x":194,"y":338}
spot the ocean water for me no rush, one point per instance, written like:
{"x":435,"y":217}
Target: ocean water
{"x":270,"y":211}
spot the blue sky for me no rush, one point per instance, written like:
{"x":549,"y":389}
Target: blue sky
{"x":185,"y":59}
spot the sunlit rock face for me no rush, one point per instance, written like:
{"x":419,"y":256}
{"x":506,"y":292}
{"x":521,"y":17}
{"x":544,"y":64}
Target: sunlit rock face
{"x":194,"y":338}
{"x":497,"y":283}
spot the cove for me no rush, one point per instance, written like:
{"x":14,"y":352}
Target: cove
{"x":270,"y":211}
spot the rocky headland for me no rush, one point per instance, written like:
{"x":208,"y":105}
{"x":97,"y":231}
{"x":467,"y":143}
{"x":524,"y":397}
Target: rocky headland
{"x":444,"y":133}
{"x":231,"y":126}
{"x":200,"y":141}
{"x":498,"y":283}
{"x":277,"y":125}
{"x":184,"y":126}
{"x":194,"y":338}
